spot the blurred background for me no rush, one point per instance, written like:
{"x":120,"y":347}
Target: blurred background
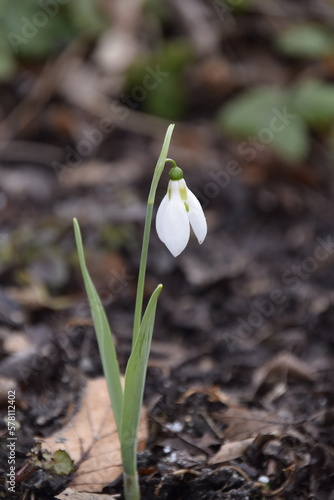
{"x":88,"y":89}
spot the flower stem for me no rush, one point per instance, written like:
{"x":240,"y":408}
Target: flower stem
{"x":147,"y":229}
{"x":171,"y":161}
{"x":142,"y":273}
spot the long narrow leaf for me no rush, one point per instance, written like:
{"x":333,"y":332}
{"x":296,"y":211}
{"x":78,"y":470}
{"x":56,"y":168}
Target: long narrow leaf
{"x":103,"y":334}
{"x":134,"y":385}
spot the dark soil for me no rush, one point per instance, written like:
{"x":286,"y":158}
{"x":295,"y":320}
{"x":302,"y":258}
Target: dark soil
{"x":249,"y":313}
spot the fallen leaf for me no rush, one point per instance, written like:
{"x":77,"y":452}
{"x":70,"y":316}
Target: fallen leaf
{"x":36,"y":295}
{"x":91,"y":440}
{"x":231,"y":451}
{"x":242,"y":423}
{"x":71,"y":494}
{"x":16,"y":342}
{"x":283,"y":366}
{"x":7,"y":384}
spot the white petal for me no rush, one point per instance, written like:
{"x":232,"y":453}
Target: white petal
{"x":196,"y":217}
{"x":172,"y":224}
{"x":160,"y":218}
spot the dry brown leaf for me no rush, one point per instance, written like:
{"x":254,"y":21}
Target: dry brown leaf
{"x":282,"y":366}
{"x":71,"y":494}
{"x":243,"y":423}
{"x":16,"y":342}
{"x":36,"y":295}
{"x":91,"y":440}
{"x":213,"y":393}
{"x":231,"y":451}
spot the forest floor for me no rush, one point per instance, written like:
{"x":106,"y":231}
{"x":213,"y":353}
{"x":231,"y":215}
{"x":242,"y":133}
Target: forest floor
{"x":239,"y":400}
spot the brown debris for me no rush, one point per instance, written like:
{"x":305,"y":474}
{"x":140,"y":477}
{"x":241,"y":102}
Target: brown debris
{"x":91,"y":440}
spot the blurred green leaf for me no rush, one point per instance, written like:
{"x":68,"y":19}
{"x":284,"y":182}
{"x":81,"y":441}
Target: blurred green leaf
{"x":33,"y":32}
{"x":265,"y":115}
{"x":158,"y":10}
{"x":166,"y":94}
{"x":330,"y":144}
{"x":87,"y":17}
{"x":225,"y":9}
{"x":239,"y":6}
{"x":168,"y":100}
{"x":306,"y":40}
{"x":174,"y":55}
{"x":251,"y":110}
{"x":7,"y":60}
{"x":314,"y":101}
{"x":36,"y":28}
{"x":114,"y":236}
{"x":292,"y":143}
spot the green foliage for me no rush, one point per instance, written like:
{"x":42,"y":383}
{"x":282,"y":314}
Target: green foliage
{"x":168,"y":98}
{"x":115,"y":236}
{"x":250,"y":111}
{"x":134,"y":385}
{"x":32,"y":30}
{"x":7,"y":61}
{"x":158,"y":10}
{"x":314,"y":101}
{"x":330,"y":144}
{"x":86,"y":17}
{"x":239,"y":6}
{"x":62,"y":463}
{"x":58,"y":463}
{"x":103,"y":334}
{"x":306,"y":40}
{"x":255,"y":115}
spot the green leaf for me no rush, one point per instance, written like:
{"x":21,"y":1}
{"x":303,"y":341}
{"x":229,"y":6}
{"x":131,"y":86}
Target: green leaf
{"x":330,"y":144}
{"x":168,"y":100}
{"x":265,"y":116}
{"x":103,"y":334}
{"x":292,"y":143}
{"x":62,"y":463}
{"x":36,"y":28}
{"x":87,"y":17}
{"x":59,"y":462}
{"x":161,"y":78}
{"x":306,"y":40}
{"x":314,"y":100}
{"x":134,"y":385}
{"x":251,"y":110}
{"x":34,"y":32}
{"x":238,"y":6}
{"x":7,"y":62}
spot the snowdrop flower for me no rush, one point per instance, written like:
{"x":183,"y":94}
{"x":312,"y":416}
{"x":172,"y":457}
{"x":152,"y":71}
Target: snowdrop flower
{"x":179,"y":210}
